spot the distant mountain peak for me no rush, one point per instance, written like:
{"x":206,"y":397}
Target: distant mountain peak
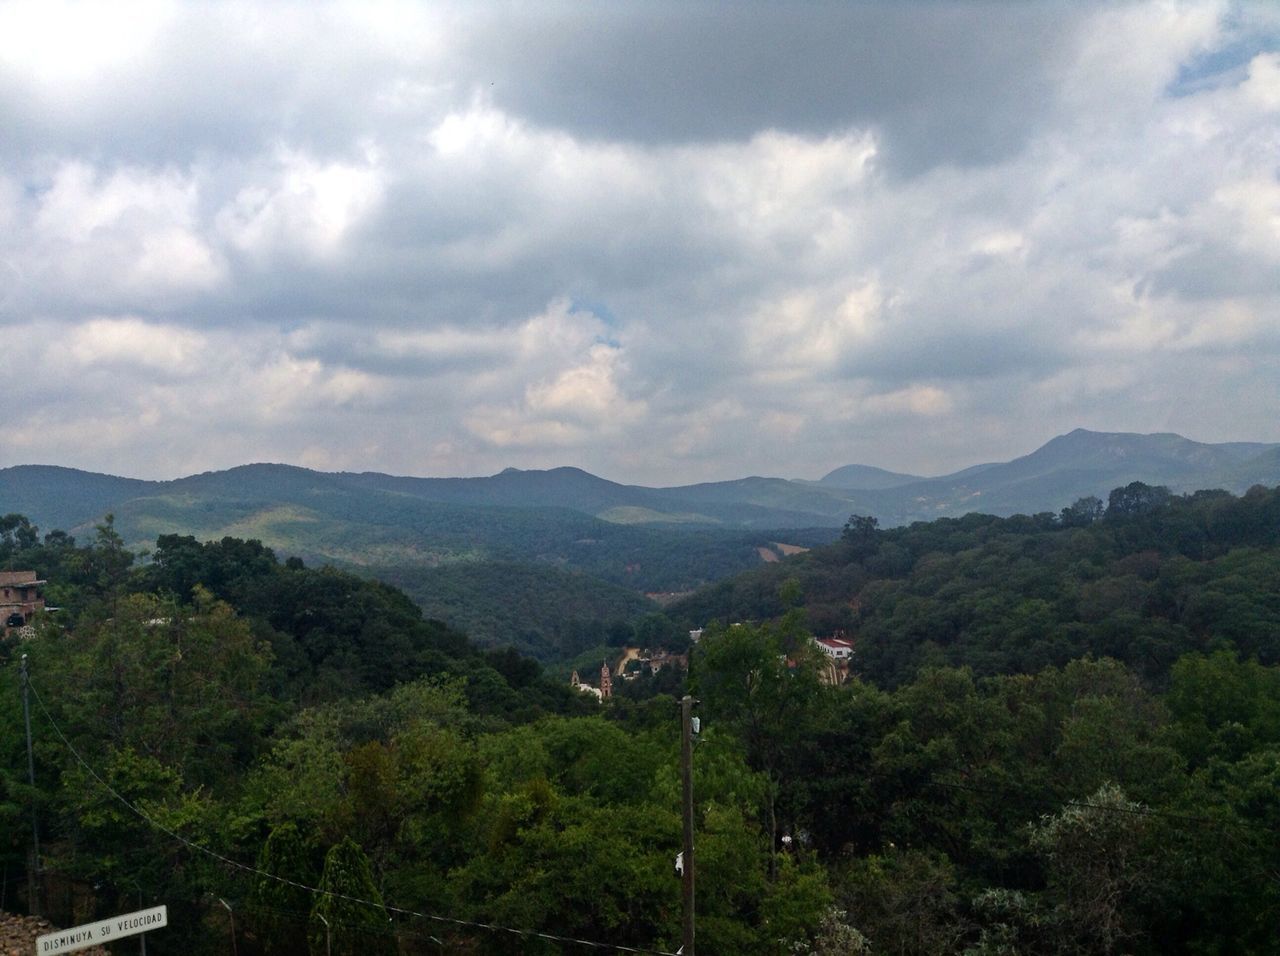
{"x":865,"y":478}
{"x":260,"y":467}
{"x":557,"y":470}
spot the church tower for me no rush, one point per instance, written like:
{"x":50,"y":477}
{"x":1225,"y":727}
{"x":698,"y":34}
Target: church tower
{"x":606,"y":681}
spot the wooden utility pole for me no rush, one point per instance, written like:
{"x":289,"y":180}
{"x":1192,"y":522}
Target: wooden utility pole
{"x":33,"y":871}
{"x":686,"y":778}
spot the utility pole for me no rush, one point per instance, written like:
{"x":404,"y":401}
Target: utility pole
{"x":328,"y":941}
{"x":686,"y":778}
{"x":33,"y":871}
{"x":235,"y":950}
{"x":142,"y":937}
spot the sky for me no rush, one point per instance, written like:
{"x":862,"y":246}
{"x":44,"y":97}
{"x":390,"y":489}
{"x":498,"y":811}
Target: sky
{"x":664,"y":242}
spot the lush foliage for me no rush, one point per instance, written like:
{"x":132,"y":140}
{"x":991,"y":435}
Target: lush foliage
{"x":545,"y":612}
{"x":310,"y":722}
{"x":1155,"y":578}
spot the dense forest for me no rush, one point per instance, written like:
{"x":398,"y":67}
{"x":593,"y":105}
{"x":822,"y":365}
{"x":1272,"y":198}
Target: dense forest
{"x":1062,"y":736}
{"x":1144,"y":578}
{"x":548,"y":613}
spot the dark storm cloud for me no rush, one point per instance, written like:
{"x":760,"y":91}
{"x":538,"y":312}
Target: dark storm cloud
{"x":1210,"y":272}
{"x":974,"y":354}
{"x":959,"y":83}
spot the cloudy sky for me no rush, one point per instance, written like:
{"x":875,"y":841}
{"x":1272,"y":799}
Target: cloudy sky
{"x":662,"y":242}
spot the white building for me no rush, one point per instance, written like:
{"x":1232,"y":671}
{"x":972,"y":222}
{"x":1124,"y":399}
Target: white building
{"x":837,"y":648}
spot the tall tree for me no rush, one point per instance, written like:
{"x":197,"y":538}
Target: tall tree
{"x":349,"y":917}
{"x":1136,"y":498}
{"x":763,"y":682}
{"x":278,"y":905}
{"x":1093,"y":850}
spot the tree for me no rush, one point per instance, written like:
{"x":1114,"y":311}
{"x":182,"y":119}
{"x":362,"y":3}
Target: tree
{"x":280,"y":907}
{"x":1093,"y":851}
{"x":124,"y":848}
{"x":58,"y":538}
{"x":1082,"y":512}
{"x":791,"y":593}
{"x":398,"y":773}
{"x":1223,"y":706}
{"x":180,"y":563}
{"x":1136,"y":498}
{"x":1011,"y":922}
{"x":905,"y":901}
{"x":165,"y":703}
{"x":349,"y":917}
{"x":834,"y":937}
{"x":181,"y":684}
{"x":861,"y":536}
{"x":762,"y":682}
{"x":17,"y":533}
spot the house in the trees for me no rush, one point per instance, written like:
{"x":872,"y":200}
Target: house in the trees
{"x":21,"y":596}
{"x":838,"y":651}
{"x":837,"y":647}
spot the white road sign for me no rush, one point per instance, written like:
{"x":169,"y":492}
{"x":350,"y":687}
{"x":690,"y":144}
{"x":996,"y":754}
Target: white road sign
{"x":103,"y":931}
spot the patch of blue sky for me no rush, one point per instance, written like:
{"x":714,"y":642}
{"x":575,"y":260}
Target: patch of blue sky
{"x":601,"y":312}
{"x":1245,"y":35}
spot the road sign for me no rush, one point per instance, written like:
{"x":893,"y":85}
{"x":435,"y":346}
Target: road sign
{"x":102,"y":931}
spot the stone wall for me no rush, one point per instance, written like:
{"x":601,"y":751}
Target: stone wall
{"x":18,"y":936}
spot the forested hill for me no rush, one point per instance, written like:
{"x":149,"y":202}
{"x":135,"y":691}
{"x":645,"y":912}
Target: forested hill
{"x":297,"y":750}
{"x":1146,"y":579}
{"x":356,"y":522}
{"x":1063,"y":470}
{"x":328,"y":634}
{"x":588,"y":549}
{"x":296,"y":507}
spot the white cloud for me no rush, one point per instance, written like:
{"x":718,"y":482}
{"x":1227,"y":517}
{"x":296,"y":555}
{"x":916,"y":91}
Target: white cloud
{"x":128,"y":236}
{"x":781,"y":188}
{"x":810,"y":331}
{"x":921,"y":400}
{"x":285,"y":388}
{"x":1129,"y":53}
{"x":60,"y":46}
{"x":447,"y":344}
{"x":572,"y":390}
{"x":706,"y":432}
{"x":588,"y":392}
{"x":1263,"y":85}
{"x":130,"y":341}
{"x":301,"y":205}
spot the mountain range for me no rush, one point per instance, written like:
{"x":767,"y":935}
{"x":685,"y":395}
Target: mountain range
{"x":508,"y":556}
{"x":271,"y":498}
{"x":1061,"y":471}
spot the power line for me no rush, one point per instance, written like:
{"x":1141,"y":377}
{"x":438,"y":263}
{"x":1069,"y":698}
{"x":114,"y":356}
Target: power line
{"x":928,"y":779}
{"x":1135,"y":810}
{"x":244,"y":867}
{"x":1222,"y":827}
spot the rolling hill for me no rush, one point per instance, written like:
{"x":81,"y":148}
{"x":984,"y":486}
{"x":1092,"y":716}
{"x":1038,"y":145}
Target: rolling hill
{"x":1073,"y":466}
{"x":647,"y":539}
